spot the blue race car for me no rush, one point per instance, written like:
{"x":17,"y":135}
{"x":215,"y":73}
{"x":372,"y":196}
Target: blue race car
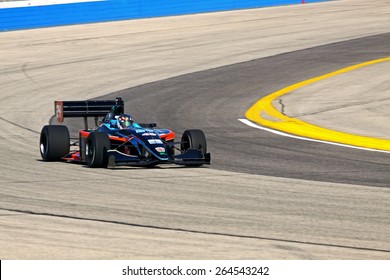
{"x":118,"y":140}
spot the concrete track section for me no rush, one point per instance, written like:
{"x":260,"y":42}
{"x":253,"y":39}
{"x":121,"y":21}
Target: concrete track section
{"x":65,"y":211}
{"x":351,"y":97}
{"x":189,"y":214}
{"x":360,"y":108}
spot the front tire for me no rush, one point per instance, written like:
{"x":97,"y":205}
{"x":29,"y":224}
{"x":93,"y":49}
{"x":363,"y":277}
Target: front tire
{"x":96,"y":149}
{"x":193,"y":139}
{"x":54,"y":142}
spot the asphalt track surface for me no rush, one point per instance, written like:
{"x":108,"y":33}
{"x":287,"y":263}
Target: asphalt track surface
{"x":264,"y":196}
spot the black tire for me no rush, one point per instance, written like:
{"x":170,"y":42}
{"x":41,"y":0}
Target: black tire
{"x":96,"y":149}
{"x":194,"y":139}
{"x":54,"y":142}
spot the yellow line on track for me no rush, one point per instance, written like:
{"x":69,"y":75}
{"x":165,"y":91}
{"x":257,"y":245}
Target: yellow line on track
{"x":276,"y":120}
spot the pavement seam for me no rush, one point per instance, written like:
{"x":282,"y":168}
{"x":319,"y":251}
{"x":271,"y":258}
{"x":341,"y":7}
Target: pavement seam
{"x":197,"y":231}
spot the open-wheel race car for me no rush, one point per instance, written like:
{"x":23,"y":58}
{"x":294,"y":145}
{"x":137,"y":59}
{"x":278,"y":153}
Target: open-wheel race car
{"x":117,"y":140}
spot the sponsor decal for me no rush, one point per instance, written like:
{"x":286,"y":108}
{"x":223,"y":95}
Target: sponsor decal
{"x":160,"y":150}
{"x":155,"y":141}
{"x":59,"y":113}
{"x":139,"y":130}
{"x":149,"y":134}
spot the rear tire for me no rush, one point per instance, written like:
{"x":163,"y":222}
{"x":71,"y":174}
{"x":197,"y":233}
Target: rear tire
{"x":54,"y":142}
{"x":96,"y":149}
{"x":193,"y":139}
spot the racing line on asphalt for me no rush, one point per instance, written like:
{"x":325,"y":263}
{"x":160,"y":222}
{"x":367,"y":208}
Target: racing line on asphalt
{"x":295,"y":128}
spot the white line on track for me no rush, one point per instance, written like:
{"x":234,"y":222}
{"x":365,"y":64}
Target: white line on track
{"x":251,"y":124}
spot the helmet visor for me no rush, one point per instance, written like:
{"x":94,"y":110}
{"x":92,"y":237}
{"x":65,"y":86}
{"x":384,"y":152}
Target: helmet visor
{"x":125,"y":123}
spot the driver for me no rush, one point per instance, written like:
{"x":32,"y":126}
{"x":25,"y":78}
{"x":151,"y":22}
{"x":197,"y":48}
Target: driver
{"x":120,"y":122}
{"x":124,"y":121}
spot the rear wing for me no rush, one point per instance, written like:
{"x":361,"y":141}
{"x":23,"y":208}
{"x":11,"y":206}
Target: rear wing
{"x":88,"y":108}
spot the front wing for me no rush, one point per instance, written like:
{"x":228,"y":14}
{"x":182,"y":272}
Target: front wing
{"x":192,"y":157}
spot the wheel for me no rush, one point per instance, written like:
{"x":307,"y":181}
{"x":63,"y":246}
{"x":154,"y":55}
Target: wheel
{"x":96,"y":149}
{"x":194,"y":139}
{"x":54,"y":142}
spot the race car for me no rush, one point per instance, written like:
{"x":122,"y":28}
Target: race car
{"x":117,"y":140}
